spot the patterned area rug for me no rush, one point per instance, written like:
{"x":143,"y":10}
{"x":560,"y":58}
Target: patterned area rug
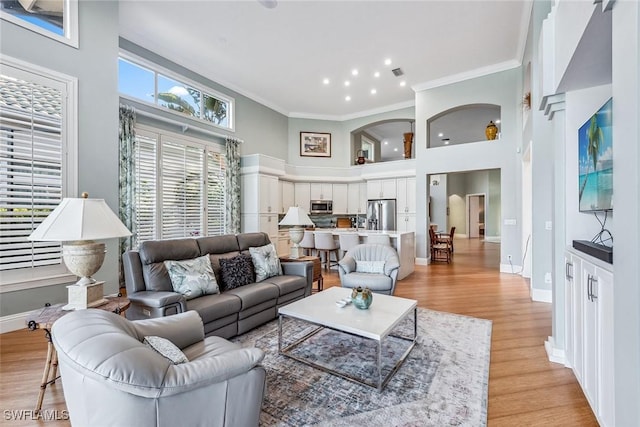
{"x":443,"y":381}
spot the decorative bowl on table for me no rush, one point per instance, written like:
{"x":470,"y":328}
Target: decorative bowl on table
{"x":362,"y":297}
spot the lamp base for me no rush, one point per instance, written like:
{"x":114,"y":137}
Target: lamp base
{"x":296,"y":252}
{"x":85,"y":296}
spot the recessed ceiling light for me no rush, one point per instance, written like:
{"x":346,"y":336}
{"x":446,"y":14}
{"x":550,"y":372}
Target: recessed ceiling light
{"x":386,"y":142}
{"x":354,"y":72}
{"x":387,"y":61}
{"x":403,"y":83}
{"x":395,"y":149}
{"x":446,"y":142}
{"x":347,"y":98}
{"x":373,"y":91}
{"x":440,"y":135}
{"x":347,"y":83}
{"x":376,"y":74}
{"x":497,"y":121}
{"x":325,"y":81}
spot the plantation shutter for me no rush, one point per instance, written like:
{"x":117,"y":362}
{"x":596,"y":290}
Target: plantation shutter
{"x":182,"y":190}
{"x":31,"y":167}
{"x":146,"y":183}
{"x":216,"y":209}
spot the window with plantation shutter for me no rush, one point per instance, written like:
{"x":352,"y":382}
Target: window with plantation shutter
{"x":34,"y":170}
{"x":180,"y":186}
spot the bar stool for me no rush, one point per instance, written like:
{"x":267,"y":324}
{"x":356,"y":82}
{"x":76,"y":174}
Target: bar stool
{"x":348,"y":241}
{"x":379,"y":239}
{"x":327,"y":244}
{"x":308,"y":242}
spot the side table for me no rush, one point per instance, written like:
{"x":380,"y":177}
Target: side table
{"x":44,"y":319}
{"x":317,"y":268}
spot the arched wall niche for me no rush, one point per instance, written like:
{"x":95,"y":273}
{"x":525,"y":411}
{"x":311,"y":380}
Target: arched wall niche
{"x":386,"y":138}
{"x":462,"y":124}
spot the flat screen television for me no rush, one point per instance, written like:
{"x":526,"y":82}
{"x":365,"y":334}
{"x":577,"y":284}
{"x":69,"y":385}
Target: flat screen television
{"x":595,"y":162}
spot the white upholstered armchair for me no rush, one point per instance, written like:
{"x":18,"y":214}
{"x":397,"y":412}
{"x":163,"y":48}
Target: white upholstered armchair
{"x":371,"y":265}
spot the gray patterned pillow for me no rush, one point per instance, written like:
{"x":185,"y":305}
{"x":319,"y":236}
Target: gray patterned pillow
{"x":266,"y":262}
{"x":192,"y":277}
{"x":166,"y":348}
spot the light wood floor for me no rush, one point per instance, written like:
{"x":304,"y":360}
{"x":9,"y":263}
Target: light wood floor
{"x":525,"y":389}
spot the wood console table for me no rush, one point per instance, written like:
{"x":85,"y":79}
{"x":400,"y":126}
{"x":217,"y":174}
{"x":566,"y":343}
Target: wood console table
{"x":45,"y":317}
{"x":317,"y":268}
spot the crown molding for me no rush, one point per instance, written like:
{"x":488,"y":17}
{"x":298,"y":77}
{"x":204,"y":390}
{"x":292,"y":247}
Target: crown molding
{"x":345,"y":117}
{"x":467,"y":75}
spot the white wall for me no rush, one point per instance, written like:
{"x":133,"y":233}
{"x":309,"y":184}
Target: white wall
{"x":500,"y":89}
{"x":457,"y":203}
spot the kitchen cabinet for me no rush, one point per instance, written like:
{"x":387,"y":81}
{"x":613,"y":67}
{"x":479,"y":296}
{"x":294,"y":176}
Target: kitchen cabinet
{"x":381,"y":189}
{"x":302,"y":195}
{"x":406,"y":195}
{"x":287,"y":196}
{"x":340,"y":199}
{"x":284,"y":243}
{"x":321,"y":191}
{"x":260,"y":194}
{"x":589,"y":330}
{"x":406,"y":222}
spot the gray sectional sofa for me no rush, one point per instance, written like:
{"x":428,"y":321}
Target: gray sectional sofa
{"x":227,"y":314}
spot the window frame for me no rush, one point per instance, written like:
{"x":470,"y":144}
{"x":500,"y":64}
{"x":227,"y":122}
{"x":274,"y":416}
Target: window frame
{"x":69,"y":28}
{"x":35,"y":277}
{"x":162,"y":136}
{"x":204,"y":90}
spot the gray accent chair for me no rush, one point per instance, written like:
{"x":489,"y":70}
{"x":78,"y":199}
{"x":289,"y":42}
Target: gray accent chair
{"x":384,"y":283}
{"x":230,"y":313}
{"x":110,"y":378}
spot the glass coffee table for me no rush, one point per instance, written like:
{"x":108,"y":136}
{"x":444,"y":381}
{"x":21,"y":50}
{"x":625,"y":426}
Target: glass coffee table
{"x":376,"y":323}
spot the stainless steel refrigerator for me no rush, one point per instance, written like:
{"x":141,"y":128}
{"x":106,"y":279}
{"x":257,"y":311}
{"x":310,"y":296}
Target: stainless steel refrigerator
{"x":381,"y":214}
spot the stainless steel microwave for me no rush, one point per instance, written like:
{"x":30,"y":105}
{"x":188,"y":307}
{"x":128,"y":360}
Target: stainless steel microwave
{"x":321,"y":206}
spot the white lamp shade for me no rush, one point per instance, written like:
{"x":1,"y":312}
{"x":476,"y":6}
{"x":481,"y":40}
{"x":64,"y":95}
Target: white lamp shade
{"x":296,"y":216}
{"x":80,"y":219}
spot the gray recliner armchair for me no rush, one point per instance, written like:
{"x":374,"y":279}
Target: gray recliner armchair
{"x":111,"y":378}
{"x":371,"y":265}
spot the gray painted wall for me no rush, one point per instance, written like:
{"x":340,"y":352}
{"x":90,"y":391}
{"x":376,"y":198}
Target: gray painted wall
{"x":492,"y":219}
{"x":499,"y":89}
{"x":95,"y":66}
{"x":439,"y":201}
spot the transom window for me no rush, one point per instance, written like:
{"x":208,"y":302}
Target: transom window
{"x":150,"y":84}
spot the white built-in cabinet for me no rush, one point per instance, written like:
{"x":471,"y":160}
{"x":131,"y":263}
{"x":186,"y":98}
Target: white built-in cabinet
{"x":381,"y":189}
{"x":340,"y":199}
{"x":406,"y":222}
{"x":406,"y":195}
{"x":302,"y":195}
{"x":357,"y":198}
{"x":589,"y":330}
{"x":321,"y":191}
{"x":287,"y":196}
{"x":260,"y":204}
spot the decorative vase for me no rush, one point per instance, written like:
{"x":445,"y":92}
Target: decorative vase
{"x":491,"y":131}
{"x":361,"y":297}
{"x":360,"y":160}
{"x":408,"y":142}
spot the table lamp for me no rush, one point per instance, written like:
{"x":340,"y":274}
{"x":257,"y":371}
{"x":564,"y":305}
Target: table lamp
{"x":296,"y":217}
{"x":78,"y":222}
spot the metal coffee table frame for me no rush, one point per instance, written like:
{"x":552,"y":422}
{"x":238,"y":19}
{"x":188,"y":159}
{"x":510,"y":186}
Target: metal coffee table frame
{"x":382,"y":382}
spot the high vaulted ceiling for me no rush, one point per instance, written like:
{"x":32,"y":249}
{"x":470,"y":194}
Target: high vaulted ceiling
{"x":280,"y":56}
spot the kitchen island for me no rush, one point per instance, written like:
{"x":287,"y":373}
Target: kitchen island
{"x":404,"y":242}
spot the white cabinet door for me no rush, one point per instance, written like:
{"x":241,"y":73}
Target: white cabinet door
{"x":381,"y":189}
{"x":406,"y":222}
{"x":287,"y":196}
{"x":606,"y":385}
{"x":340,"y":198}
{"x":353,"y":198}
{"x":573,"y":314}
{"x":269,"y":194}
{"x":269,"y":225}
{"x":411,"y":195}
{"x":362,"y":208}
{"x":590,"y":334}
{"x":321,"y":191}
{"x":302,"y":195}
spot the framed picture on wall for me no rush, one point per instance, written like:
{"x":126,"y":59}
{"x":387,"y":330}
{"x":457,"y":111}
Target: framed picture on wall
{"x":315,"y":144}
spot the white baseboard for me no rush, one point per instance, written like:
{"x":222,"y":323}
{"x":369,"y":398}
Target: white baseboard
{"x":542,"y":295}
{"x":511,"y":269}
{"x":13,"y":322}
{"x":492,"y":239}
{"x":422,"y":261}
{"x":554,"y":354}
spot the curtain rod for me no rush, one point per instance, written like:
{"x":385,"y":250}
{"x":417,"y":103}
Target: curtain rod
{"x":182,"y":125}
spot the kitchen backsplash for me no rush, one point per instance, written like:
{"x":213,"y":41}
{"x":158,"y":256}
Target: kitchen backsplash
{"x":328,"y":221}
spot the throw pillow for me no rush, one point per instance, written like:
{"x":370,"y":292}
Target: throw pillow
{"x":375,"y":267}
{"x":166,"y":348}
{"x":192,"y":277}
{"x":265,"y":261}
{"x":236,"y":271}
